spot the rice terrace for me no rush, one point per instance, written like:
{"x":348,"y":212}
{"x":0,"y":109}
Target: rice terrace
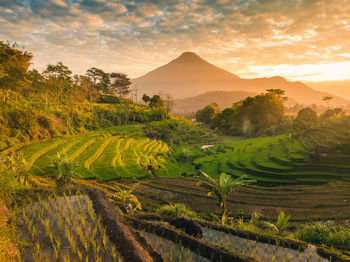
{"x":134,"y":149}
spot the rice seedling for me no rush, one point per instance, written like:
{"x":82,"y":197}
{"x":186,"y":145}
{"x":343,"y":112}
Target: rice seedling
{"x":37,"y":255}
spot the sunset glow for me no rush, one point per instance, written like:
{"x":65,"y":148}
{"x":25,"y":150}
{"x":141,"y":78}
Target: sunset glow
{"x":296,"y":39}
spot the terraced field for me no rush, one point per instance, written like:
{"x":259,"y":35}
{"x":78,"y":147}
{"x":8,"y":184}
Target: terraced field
{"x":280,"y":159}
{"x":119,"y":152}
{"x":303,"y":202}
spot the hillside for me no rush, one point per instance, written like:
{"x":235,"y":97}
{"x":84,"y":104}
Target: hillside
{"x":189,"y":75}
{"x":339,"y":88}
{"x":224,"y":99}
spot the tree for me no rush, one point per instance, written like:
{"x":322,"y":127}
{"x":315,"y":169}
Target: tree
{"x":207,"y":114}
{"x":278,"y":92}
{"x":228,"y":121}
{"x":120,"y":84}
{"x":169,"y":103}
{"x":327,"y":99}
{"x":14,"y":64}
{"x":99,"y":78}
{"x":222,"y":187}
{"x":306,"y":118}
{"x":329,"y":113}
{"x":157,"y":103}
{"x":261,"y":111}
{"x":59,"y":77}
{"x":146,"y":99}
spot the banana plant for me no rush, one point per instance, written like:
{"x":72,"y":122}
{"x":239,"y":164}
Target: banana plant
{"x":129,"y":201}
{"x":19,"y":167}
{"x":222,"y":188}
{"x":65,"y":169}
{"x":281,"y":223}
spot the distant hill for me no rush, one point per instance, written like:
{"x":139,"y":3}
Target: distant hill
{"x":190,"y":75}
{"x":224,"y":99}
{"x":339,"y":88}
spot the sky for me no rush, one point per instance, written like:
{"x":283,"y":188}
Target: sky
{"x":306,"y":40}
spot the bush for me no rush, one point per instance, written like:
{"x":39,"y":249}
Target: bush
{"x":175,"y":131}
{"x":317,"y":233}
{"x":176,"y":210}
{"x":108,"y":98}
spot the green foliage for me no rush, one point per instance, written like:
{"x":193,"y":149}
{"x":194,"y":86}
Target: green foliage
{"x":252,"y":116}
{"x":37,"y":106}
{"x":120,"y":84}
{"x":281,"y":223}
{"x":306,"y":118}
{"x":176,"y":210}
{"x":222,"y":187}
{"x":207,"y":114}
{"x":65,"y":169}
{"x":329,"y":113}
{"x":18,"y":166}
{"x":157,"y":103}
{"x":327,"y":233}
{"x":175,"y":131}
{"x":14,"y":64}
{"x":8,"y":183}
{"x":129,"y":201}
{"x":316,"y":233}
{"x":108,"y":98}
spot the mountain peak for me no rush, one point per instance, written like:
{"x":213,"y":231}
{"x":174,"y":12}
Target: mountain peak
{"x":189,"y":57}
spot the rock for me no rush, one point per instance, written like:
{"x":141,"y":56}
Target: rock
{"x":188,"y":225}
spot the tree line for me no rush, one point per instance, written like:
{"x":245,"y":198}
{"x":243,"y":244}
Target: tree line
{"x":262,"y":114}
{"x":38,"y":105}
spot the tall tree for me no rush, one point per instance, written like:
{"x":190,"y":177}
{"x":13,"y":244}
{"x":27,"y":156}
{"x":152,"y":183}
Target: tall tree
{"x":207,"y":114}
{"x":99,"y":81}
{"x":157,"y":103}
{"x":146,"y":99}
{"x":278,"y":92}
{"x":99,"y":78}
{"x":120,"y":84}
{"x":306,"y":118}
{"x":14,"y":64}
{"x":262,"y":111}
{"x":327,"y":99}
{"x":60,"y":79}
{"x":169,"y":101}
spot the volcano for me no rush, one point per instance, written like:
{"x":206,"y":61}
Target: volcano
{"x":190,"y":75}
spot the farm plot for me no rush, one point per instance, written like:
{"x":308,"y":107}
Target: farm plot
{"x":63,"y":229}
{"x":108,"y":154}
{"x":258,"y":250}
{"x":271,"y":160}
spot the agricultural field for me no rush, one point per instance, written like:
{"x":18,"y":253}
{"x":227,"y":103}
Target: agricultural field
{"x":114,"y":153}
{"x":303,"y":202}
{"x":281,"y":159}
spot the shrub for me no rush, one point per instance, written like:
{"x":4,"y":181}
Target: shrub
{"x":65,"y":169}
{"x":317,"y":233}
{"x":176,"y":210}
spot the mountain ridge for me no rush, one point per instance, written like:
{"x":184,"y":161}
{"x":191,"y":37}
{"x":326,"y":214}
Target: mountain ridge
{"x":190,"y":75}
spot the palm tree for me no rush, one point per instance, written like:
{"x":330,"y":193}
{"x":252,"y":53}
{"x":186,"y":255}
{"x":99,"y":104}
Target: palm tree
{"x":223,"y":187}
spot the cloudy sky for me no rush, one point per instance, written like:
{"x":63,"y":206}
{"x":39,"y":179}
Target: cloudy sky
{"x":297,"y":39}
